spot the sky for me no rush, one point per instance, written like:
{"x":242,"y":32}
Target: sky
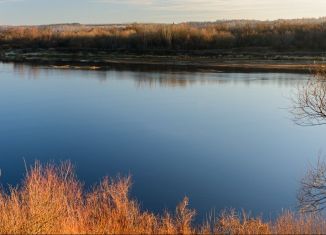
{"x":22,"y":12}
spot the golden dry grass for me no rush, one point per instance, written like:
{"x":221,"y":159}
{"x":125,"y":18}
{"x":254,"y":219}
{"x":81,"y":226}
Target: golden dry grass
{"x":301,"y":34}
{"x":52,"y":201}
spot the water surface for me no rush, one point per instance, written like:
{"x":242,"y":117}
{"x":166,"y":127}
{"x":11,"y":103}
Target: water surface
{"x":226,"y":140}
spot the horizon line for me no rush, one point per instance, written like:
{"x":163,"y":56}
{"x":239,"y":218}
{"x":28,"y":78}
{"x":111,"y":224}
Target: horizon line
{"x":180,"y":22}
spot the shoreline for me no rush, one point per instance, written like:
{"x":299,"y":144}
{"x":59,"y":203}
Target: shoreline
{"x":120,"y":61}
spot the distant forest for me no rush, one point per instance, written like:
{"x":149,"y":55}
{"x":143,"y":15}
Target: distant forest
{"x":280,"y":35}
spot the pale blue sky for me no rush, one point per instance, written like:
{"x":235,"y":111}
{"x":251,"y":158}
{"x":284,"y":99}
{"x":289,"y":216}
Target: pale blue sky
{"x":123,"y":11}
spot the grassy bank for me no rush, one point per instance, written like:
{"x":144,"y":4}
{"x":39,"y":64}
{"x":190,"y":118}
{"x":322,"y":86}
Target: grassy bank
{"x":51,"y":200}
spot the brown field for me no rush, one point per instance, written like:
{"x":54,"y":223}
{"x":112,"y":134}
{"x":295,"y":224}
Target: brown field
{"x":52,"y":201}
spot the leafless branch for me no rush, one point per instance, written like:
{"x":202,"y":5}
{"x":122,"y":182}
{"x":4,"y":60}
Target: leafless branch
{"x":312,"y":195}
{"x":309,"y":103}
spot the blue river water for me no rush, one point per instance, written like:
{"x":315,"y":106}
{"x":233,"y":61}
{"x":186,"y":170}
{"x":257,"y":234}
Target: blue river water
{"x":225,"y":140}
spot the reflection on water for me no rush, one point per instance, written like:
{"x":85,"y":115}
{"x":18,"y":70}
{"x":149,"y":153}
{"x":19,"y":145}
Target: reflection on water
{"x":223,"y":139}
{"x":154,"y":79}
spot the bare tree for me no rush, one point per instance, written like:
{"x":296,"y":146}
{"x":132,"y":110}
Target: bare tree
{"x":312,"y":195}
{"x":309,"y":109}
{"x":309,"y":103}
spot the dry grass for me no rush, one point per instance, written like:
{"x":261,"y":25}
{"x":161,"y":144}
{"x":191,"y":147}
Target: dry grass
{"x":302,"y":34}
{"x":52,"y":201}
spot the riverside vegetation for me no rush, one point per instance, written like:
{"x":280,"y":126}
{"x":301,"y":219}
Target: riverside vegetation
{"x":51,"y":200}
{"x":236,"y":45}
{"x":287,"y":35}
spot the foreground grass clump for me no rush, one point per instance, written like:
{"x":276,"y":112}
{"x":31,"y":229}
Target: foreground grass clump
{"x":52,"y":201}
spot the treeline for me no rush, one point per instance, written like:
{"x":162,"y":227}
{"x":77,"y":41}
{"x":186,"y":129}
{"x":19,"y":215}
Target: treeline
{"x":286,"y":35}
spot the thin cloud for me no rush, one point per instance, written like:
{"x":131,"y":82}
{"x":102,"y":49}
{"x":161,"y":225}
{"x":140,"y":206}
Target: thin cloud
{"x":133,"y":2}
{"x":214,"y":5}
{"x":10,"y":1}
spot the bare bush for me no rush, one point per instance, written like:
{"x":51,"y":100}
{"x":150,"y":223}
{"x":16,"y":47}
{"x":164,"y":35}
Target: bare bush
{"x":312,"y":195}
{"x":309,"y":103}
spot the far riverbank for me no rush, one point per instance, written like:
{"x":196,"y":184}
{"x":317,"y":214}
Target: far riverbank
{"x":223,"y":62}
